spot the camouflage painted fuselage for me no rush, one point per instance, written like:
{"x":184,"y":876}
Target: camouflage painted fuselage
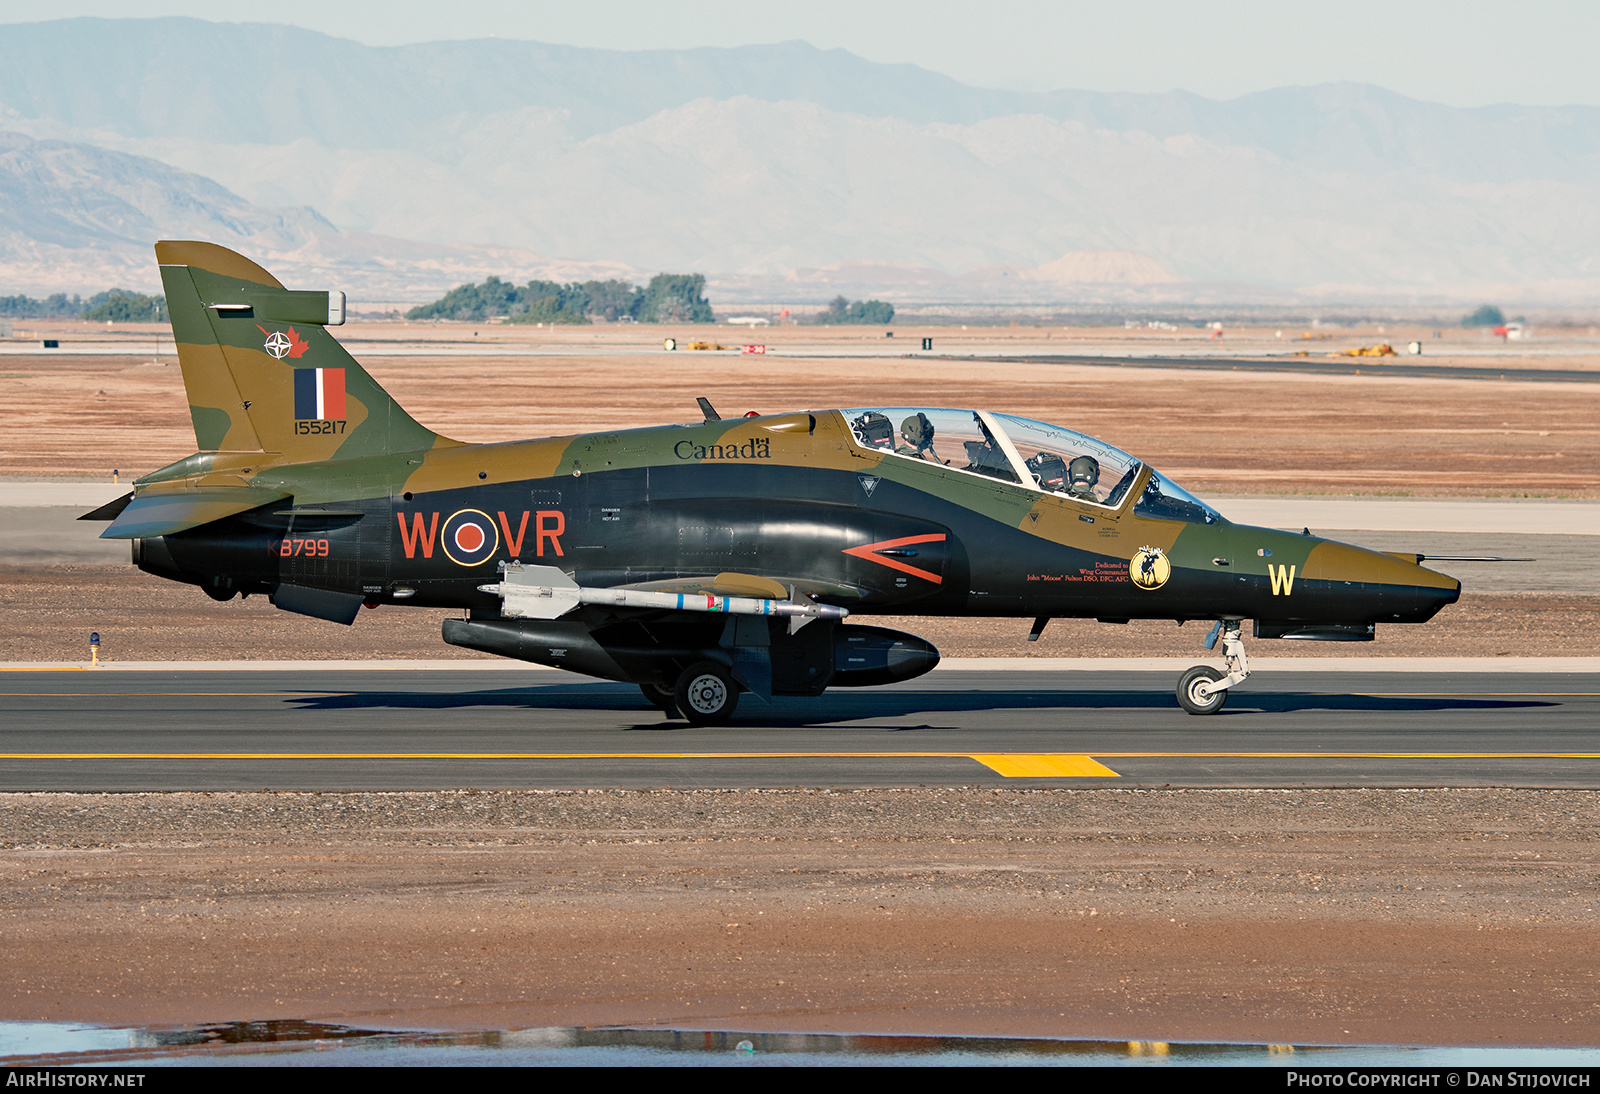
{"x":790,"y":497}
{"x":313,"y":486}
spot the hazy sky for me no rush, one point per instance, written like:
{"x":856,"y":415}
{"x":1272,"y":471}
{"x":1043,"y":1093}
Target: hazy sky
{"x":1461,"y":52}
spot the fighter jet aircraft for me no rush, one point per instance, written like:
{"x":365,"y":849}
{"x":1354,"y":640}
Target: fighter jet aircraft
{"x":698,"y":561}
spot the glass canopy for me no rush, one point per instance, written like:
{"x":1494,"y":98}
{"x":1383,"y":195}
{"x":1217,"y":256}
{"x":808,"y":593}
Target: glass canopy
{"x":1035,"y":455}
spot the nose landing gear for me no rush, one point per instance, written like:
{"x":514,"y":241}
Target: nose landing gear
{"x":1202,"y":689}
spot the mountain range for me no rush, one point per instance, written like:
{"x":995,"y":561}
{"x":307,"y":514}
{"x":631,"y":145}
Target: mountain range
{"x":783,"y":171}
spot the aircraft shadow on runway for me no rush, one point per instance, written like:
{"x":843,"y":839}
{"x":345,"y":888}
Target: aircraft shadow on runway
{"x":902,"y":702}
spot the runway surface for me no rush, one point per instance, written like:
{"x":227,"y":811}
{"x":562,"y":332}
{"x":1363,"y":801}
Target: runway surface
{"x":1412,"y":368}
{"x":303,"y":729}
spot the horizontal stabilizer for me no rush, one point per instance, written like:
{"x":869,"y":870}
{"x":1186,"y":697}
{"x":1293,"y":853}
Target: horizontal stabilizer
{"x":176,"y":511}
{"x":111,"y":510}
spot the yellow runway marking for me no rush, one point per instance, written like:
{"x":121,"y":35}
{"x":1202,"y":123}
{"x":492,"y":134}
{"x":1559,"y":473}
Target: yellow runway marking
{"x":1029,"y":765}
{"x":1044,"y":765}
{"x":1358,"y":755}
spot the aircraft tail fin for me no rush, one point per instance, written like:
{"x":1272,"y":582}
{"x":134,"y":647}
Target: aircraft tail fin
{"x":261,"y":371}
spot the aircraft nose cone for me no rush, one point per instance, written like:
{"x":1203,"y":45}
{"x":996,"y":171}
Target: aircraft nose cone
{"x":1418,"y":599}
{"x":1427,"y":600}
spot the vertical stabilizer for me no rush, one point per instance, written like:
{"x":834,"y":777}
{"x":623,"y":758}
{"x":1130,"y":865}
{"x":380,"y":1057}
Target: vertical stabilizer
{"x":261,"y":371}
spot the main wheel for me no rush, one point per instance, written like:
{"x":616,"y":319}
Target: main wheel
{"x":1193,"y":698}
{"x":661,"y":695}
{"x":706,"y":694}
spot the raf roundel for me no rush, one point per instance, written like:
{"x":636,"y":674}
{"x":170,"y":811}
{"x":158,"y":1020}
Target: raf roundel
{"x":470,"y":537}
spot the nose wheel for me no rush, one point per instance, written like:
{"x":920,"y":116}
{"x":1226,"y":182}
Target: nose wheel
{"x":1198,"y":692}
{"x":1203,"y":689}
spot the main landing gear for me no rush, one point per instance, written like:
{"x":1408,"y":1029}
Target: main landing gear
{"x":1202,"y":689}
{"x":706,"y":694}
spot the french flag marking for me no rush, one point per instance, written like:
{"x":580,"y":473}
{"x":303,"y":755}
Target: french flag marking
{"x":318,"y":393}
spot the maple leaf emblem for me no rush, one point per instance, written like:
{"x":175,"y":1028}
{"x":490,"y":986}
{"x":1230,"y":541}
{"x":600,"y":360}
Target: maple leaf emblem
{"x":282,"y":345}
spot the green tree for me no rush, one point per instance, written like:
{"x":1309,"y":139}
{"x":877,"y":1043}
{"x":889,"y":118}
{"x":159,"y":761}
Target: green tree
{"x":493,"y":297}
{"x":614,"y":300}
{"x":669,"y":297}
{"x":55,"y":306}
{"x":1486,"y":316}
{"x":122,"y":306}
{"x":676,"y":298}
{"x":840,"y":310}
{"x":548,"y":302}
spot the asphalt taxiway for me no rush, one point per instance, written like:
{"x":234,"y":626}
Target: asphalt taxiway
{"x":356,"y":728}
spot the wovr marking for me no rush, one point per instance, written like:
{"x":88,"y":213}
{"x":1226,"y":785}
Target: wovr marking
{"x":423,"y":536}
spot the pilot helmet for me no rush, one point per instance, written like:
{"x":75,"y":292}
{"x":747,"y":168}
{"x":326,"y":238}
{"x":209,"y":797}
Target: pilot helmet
{"x":917,"y":430}
{"x":1083,"y":471}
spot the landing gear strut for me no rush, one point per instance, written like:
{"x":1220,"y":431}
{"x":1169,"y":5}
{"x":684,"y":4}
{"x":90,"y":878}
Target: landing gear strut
{"x":1202,"y":689}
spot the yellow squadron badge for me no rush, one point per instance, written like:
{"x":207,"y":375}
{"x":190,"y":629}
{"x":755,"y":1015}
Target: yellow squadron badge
{"x":1149,"y":568}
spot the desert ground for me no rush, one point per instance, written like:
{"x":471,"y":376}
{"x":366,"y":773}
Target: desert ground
{"x":1293,"y":916}
{"x":1220,"y":432}
{"x":1349,"y":916}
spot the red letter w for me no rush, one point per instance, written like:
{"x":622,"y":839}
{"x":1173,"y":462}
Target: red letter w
{"x":409,"y":538}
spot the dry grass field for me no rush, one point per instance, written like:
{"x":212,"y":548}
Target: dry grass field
{"x":1221,"y":431}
